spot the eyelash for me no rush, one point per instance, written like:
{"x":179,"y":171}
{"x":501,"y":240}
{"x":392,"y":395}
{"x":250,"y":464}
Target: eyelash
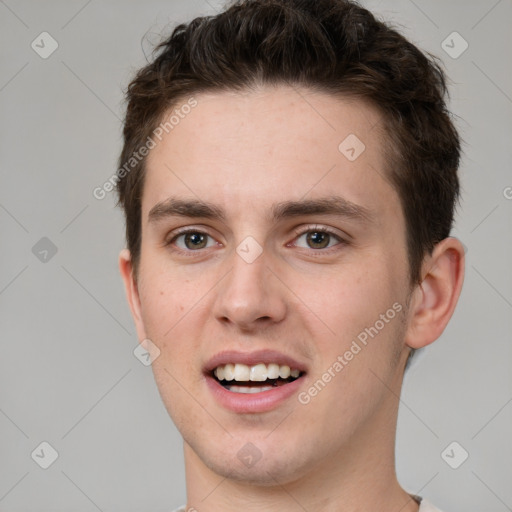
{"x":320,"y":229}
{"x":297,"y":233}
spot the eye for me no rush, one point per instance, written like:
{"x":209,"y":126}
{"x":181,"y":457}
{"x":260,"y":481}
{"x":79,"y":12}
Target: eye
{"x":318,"y":238}
{"x":192,"y":240}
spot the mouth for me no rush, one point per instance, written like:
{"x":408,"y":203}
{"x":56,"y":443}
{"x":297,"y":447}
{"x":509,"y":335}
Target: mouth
{"x":254,"y":382}
{"x":242,"y":378}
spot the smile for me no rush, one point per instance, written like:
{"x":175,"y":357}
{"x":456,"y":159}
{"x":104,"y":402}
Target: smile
{"x":241,"y":378}
{"x":253,"y":382}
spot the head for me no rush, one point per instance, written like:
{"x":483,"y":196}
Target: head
{"x":316,"y":139}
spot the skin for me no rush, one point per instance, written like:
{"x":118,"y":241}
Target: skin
{"x":244,"y":152}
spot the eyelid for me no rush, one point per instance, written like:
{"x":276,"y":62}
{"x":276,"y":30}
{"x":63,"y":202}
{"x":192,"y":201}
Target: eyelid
{"x":324,"y":229}
{"x":171,"y":238}
{"x":299,"y":231}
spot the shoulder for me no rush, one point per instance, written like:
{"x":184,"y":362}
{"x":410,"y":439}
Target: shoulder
{"x":426,"y":506}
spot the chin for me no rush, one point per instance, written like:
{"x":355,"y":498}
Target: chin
{"x":264,"y":473}
{"x":270,"y":466}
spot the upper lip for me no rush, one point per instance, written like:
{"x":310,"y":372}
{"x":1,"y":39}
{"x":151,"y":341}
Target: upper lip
{"x":252,"y":358}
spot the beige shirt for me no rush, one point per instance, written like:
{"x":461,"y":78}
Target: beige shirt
{"x":425,"y":506}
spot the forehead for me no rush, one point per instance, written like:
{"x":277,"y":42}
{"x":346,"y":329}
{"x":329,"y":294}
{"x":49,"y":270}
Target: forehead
{"x":246,"y":151}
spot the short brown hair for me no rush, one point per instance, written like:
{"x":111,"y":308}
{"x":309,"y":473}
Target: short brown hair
{"x":331,"y":46}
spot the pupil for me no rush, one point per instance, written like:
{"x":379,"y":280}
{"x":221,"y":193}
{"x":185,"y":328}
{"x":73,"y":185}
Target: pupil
{"x":318,"y":239}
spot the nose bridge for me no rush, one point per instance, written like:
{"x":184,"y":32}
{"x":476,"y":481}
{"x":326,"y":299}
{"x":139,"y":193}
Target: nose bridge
{"x":250,"y":292}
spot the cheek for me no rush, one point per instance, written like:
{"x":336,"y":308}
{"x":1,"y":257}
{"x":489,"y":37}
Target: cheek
{"x":160,"y":311}
{"x":366,"y":315}
{"x":171,"y":323}
{"x":360,"y":303}
{"x":173,"y":311}
{"x":165,"y":300}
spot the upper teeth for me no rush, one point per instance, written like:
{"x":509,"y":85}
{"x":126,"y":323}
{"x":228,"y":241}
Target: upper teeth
{"x":258,"y":372}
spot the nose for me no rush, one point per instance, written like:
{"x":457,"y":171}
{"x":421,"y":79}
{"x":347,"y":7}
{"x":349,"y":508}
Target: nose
{"x":250,"y":297}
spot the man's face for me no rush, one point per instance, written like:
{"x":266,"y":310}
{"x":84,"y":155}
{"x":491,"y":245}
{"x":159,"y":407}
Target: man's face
{"x":282,"y":271}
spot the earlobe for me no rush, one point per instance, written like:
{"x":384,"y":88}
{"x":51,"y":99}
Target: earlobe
{"x":434,"y":300}
{"x":132,"y":291}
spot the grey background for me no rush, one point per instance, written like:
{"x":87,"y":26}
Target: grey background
{"x":68,"y":374}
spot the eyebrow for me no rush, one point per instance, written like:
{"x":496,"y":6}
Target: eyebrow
{"x":331,"y":205}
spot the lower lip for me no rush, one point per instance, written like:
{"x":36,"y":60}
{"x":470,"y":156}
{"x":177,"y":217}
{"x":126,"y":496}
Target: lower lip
{"x":252,"y":402}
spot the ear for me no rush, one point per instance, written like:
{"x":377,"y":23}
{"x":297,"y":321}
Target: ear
{"x":132,"y":291}
{"x":434,"y":299}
